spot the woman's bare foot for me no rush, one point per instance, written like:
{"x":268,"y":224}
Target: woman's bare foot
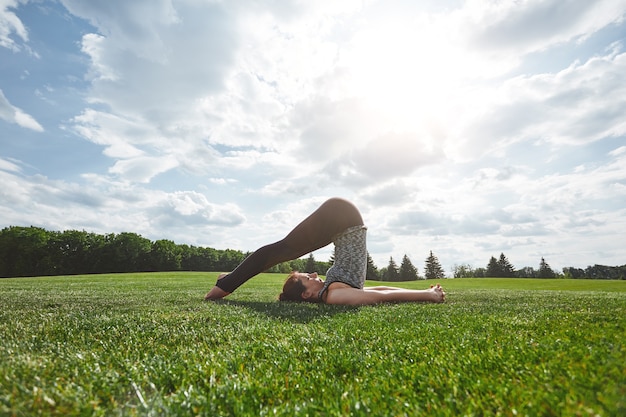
{"x":439,"y":296}
{"x":216,"y":292}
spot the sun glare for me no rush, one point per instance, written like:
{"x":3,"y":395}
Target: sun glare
{"x":406,"y":74}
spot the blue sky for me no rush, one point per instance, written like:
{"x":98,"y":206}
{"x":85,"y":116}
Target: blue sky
{"x":468,"y":128}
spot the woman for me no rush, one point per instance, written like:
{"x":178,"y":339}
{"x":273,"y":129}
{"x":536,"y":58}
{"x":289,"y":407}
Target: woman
{"x":337,"y":221}
{"x":310,"y":288}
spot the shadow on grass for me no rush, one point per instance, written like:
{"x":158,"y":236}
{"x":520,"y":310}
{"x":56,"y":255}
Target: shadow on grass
{"x":294,"y":312}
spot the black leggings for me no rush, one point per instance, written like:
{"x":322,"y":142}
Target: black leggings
{"x":316,"y":231}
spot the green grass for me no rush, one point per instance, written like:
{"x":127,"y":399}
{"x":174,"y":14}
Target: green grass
{"x":145,"y":344}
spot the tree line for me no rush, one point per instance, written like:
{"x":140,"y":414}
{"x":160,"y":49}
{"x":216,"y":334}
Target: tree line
{"x":34,"y":251}
{"x":502,"y":268}
{"x":406,"y":271}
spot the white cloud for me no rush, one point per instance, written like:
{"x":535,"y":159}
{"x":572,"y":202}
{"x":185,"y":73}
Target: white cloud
{"x":618,"y":151}
{"x":194,"y":207}
{"x":328,"y":128}
{"x":9,"y":24}
{"x":12,"y":114}
{"x":138,"y":24}
{"x":392,"y":193}
{"x":142,"y":169}
{"x":152,"y":59}
{"x":7,"y":165}
{"x":27,"y":121}
{"x":104,"y":206}
{"x":121,"y":136}
{"x":384,"y":158}
{"x":578,"y":105}
{"x":526,"y":26}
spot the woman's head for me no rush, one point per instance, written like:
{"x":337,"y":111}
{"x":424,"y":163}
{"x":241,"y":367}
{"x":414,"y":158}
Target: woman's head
{"x":302,"y":287}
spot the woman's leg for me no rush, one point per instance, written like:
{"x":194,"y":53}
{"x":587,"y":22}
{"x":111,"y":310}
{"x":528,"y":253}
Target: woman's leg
{"x":314,"y":232}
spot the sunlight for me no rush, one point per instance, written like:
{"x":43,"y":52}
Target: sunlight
{"x":408,"y":73}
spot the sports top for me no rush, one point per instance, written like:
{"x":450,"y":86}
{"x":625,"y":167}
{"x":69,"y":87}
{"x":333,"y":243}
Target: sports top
{"x":350,"y":265}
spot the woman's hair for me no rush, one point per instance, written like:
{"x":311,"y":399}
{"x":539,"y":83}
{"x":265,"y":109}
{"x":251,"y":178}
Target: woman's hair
{"x":293,"y":289}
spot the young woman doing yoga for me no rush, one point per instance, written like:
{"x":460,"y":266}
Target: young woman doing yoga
{"x":335,"y":221}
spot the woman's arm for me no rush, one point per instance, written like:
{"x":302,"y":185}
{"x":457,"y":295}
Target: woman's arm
{"x":383,"y":288}
{"x":352,"y":296}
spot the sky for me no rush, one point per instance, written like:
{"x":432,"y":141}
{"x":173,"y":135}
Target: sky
{"x":469,"y":128}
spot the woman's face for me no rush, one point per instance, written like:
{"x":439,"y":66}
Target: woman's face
{"x":311,"y":282}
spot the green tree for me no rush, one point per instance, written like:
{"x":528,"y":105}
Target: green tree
{"x":500,"y":268}
{"x":76,"y":252}
{"x":572,"y":272}
{"x":526,"y":272}
{"x":480,"y":272}
{"x":125,"y":252}
{"x":165,"y":256}
{"x":506,"y":269}
{"x":24,"y":252}
{"x":228,"y":259}
{"x":544,"y":270}
{"x":493,"y":268}
{"x":189,"y":258}
{"x":371,"y":272}
{"x":205,"y":259}
{"x":281,"y":268}
{"x":407,"y":272}
{"x":321,"y":267}
{"x":433,"y":269}
{"x":463,"y":271}
{"x":391,"y":272}
{"x":310,"y":265}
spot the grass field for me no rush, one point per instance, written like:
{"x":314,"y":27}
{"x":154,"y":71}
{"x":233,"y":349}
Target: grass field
{"x":145,"y":344}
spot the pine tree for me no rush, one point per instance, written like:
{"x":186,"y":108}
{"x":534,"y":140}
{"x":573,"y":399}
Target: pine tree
{"x":544,"y":270}
{"x":392,"y":273}
{"x":310,"y":264}
{"x":372,"y":271}
{"x":506,"y":269}
{"x":433,"y":269}
{"x":408,"y":272}
{"x":493,"y":268}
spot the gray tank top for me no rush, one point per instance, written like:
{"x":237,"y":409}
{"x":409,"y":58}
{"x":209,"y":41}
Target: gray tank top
{"x":350,"y":264}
